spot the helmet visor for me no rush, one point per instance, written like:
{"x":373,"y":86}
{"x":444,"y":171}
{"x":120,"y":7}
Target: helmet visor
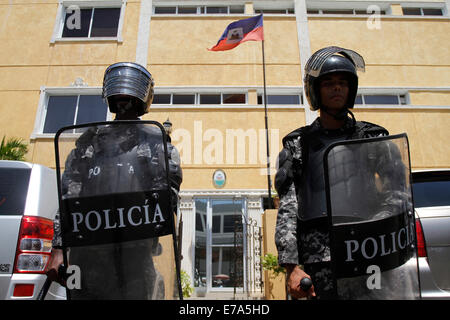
{"x":316,"y":61}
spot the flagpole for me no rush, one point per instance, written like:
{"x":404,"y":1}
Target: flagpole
{"x":267,"y":129}
{"x":254,"y":27}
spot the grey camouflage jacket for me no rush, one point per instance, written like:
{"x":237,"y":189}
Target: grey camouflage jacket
{"x":296,"y":245}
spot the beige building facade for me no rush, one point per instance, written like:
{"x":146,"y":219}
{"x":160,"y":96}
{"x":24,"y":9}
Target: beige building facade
{"x":54,"y":54}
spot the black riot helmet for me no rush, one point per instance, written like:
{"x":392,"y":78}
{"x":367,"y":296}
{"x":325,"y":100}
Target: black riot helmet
{"x":128,"y":79}
{"x":330,"y":60}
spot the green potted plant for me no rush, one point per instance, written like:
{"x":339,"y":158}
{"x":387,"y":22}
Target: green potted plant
{"x":270,"y":263}
{"x":186,"y":284}
{"x":275,"y":198}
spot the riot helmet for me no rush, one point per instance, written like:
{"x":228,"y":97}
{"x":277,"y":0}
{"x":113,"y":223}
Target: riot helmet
{"x":128,"y":79}
{"x":331,"y":60}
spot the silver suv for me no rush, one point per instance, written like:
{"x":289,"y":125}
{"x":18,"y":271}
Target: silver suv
{"x":431,"y":192}
{"x":28,"y":204}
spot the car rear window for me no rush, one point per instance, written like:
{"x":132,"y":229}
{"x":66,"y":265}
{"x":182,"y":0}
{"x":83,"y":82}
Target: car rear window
{"x":13,"y":190}
{"x":431,"y":190}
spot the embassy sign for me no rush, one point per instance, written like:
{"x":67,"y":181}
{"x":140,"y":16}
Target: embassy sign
{"x":116,"y":218}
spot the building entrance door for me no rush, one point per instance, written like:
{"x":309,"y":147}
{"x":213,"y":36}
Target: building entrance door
{"x":219,"y":243}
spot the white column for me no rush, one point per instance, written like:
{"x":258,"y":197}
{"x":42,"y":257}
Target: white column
{"x":304,"y":48}
{"x":187,"y":213}
{"x":143,"y":35}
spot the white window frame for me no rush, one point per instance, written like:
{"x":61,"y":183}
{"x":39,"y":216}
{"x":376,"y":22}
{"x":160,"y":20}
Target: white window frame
{"x":286,"y":10}
{"x":288,"y":90}
{"x":354,"y":12}
{"x":346,"y":5}
{"x":275,"y":5}
{"x":384,"y":6}
{"x":283,"y":91}
{"x":221,"y":98}
{"x":422,"y":6}
{"x":199,"y":91}
{"x":384,"y":91}
{"x":205,"y":9}
{"x":199,"y":6}
{"x":60,"y":18}
{"x":46,"y":93}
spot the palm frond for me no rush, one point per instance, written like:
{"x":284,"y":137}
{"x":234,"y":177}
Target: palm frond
{"x":13,"y":149}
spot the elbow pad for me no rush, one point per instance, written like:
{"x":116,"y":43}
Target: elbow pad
{"x":175,"y":172}
{"x":285,"y":173}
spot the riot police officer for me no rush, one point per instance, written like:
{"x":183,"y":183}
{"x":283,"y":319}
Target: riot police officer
{"x":301,"y":235}
{"x":128,"y":91}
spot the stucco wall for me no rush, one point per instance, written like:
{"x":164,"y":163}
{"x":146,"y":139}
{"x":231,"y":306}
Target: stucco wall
{"x":403,"y":52}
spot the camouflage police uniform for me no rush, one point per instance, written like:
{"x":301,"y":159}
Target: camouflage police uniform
{"x":307,"y":242}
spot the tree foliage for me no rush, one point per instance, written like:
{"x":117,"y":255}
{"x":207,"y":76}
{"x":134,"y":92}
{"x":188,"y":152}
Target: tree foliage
{"x":13,"y":149}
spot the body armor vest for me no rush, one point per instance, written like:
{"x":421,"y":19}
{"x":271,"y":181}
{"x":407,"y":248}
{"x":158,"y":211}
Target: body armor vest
{"x":313,"y":204}
{"x":123,"y":166}
{"x":312,"y":189}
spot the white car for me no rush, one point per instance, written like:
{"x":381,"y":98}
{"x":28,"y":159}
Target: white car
{"x":431,"y":193}
{"x":28,"y":204}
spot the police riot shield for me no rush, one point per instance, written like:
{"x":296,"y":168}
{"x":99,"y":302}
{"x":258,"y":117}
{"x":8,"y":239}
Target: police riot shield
{"x":116,"y":215}
{"x":371,"y":215}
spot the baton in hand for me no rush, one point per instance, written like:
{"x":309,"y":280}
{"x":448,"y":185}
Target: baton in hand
{"x":51,"y":276}
{"x":305,"y":284}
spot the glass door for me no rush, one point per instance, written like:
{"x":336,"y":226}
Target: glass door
{"x":225,"y":257}
{"x":219,"y":243}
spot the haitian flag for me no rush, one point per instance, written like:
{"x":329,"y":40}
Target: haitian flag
{"x":250,"y":29}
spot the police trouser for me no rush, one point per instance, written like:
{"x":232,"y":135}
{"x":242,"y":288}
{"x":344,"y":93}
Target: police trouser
{"x":115,"y":272}
{"x":322,"y":278}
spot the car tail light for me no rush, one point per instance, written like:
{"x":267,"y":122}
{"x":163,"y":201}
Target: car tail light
{"x":421,"y":249}
{"x":34,"y":246}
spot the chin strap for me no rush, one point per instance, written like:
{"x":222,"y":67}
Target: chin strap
{"x":342,"y":115}
{"x":353,"y":117}
{"x":124,"y":108}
